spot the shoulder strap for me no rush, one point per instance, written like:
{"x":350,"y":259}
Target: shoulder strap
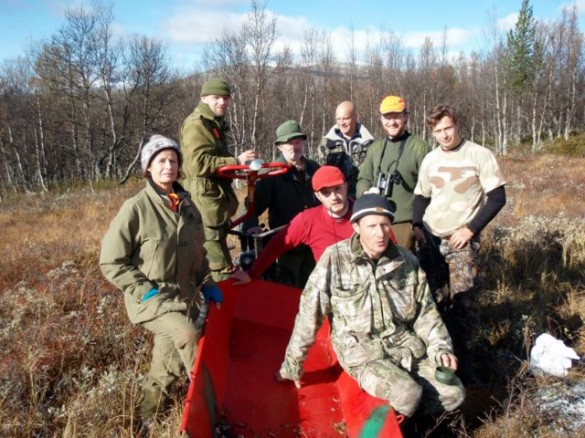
{"x":382,"y":155}
{"x":400,"y":150}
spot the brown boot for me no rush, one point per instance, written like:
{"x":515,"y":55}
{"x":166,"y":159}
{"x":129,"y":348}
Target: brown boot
{"x":152,"y":404}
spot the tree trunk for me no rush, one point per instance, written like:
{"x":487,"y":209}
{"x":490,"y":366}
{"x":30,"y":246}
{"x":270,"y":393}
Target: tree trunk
{"x":131,"y":166}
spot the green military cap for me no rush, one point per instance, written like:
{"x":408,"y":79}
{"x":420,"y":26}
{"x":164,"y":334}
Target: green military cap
{"x":216,"y":87}
{"x":289,"y":130}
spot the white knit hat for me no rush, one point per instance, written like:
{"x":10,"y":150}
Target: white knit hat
{"x":155,"y":144}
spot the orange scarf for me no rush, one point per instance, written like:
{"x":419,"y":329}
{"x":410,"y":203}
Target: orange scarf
{"x":174,"y":198}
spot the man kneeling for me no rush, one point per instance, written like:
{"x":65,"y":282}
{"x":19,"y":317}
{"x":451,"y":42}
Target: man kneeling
{"x":385,"y":327}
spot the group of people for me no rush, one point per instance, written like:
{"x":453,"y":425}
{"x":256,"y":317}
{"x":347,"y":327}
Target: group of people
{"x":351,"y":230}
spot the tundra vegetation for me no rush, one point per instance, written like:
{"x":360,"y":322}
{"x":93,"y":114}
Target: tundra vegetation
{"x":71,"y":362}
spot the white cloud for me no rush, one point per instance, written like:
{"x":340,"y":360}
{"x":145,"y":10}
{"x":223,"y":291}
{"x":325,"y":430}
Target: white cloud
{"x":200,"y":27}
{"x":508,"y":22}
{"x":191,"y":28}
{"x":290,"y":33}
{"x":455,"y":38}
{"x":579,"y":3}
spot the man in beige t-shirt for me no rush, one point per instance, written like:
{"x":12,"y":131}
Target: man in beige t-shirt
{"x":460,"y":190}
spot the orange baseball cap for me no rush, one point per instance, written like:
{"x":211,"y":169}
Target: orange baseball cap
{"x":392,"y":104}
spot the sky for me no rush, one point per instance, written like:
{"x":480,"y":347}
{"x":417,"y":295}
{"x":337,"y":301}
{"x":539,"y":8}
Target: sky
{"x":186,"y":26}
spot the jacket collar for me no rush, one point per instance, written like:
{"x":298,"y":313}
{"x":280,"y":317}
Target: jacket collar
{"x":358,"y":254}
{"x":206,"y":112}
{"x":157,"y":195}
{"x":356,"y":134}
{"x":404,"y":136}
{"x":310,"y":168}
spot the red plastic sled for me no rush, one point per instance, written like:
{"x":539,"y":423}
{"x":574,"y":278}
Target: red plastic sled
{"x":233,"y":391}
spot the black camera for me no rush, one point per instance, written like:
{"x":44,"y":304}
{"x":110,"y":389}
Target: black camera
{"x":246,"y":260}
{"x":358,"y":151}
{"x":386,"y":184}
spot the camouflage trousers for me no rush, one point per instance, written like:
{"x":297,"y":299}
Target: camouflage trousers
{"x":458,"y":304}
{"x":174,"y":350}
{"x":406,"y":391}
{"x":218,"y":253}
{"x":464,"y":272}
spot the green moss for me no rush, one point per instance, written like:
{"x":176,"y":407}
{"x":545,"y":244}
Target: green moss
{"x":574,"y":146}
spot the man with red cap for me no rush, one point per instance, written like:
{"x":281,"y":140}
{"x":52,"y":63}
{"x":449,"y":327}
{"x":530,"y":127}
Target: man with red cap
{"x":318,"y":227}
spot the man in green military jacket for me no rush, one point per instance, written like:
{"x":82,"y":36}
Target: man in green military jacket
{"x":204,"y":145}
{"x":391,"y":166}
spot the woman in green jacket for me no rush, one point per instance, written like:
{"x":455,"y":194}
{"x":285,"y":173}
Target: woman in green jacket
{"x":153,"y":251}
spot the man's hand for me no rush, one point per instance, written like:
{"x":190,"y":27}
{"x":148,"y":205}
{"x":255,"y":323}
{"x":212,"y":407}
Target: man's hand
{"x":280,"y":378}
{"x":241,"y":278}
{"x":372,"y":191}
{"x":419,"y":235}
{"x":449,"y":360}
{"x":248,"y":155}
{"x":460,"y":238}
{"x":255,"y":230}
{"x":212,"y":293}
{"x":148,"y":295}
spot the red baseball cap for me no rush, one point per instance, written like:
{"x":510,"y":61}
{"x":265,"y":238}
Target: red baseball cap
{"x":327,"y":176}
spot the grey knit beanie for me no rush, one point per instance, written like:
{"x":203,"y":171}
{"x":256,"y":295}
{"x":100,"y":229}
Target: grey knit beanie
{"x":155,"y":144}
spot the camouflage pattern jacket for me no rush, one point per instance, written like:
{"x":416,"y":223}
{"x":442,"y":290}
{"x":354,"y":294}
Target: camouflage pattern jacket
{"x":376,"y":310}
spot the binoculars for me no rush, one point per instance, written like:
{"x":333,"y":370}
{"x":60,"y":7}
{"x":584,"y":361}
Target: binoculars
{"x":386,"y":183}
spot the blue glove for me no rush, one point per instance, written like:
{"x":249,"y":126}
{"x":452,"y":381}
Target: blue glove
{"x":148,"y":295}
{"x":212,"y":293}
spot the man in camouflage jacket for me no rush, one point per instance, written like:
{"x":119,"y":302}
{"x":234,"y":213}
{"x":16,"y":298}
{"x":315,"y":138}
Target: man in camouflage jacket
{"x":385,"y":328}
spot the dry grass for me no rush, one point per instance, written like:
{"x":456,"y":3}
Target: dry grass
{"x":71,"y":363}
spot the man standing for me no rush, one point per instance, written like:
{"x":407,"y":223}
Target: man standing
{"x":317,"y":227}
{"x":385,"y":328}
{"x":459,"y":191}
{"x":285,"y":196}
{"x":345,"y":145}
{"x":204,"y":145}
{"x":391,"y":166}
